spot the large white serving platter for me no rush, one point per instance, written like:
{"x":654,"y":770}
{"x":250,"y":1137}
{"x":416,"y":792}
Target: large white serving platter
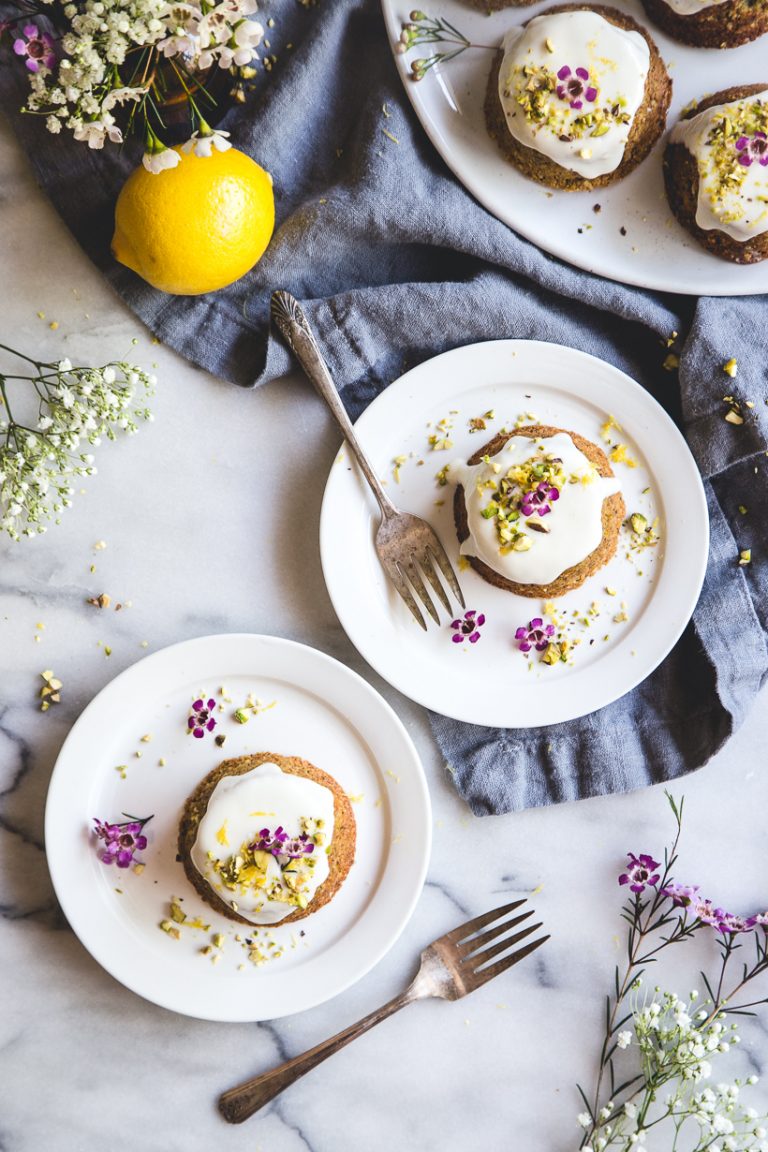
{"x":653,"y":250}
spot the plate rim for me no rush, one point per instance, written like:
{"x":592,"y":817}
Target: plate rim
{"x":561,"y":252}
{"x":697,"y":572}
{"x":420,"y":846}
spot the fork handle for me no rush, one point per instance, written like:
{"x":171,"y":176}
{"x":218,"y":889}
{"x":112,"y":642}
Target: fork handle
{"x":237,"y":1104}
{"x":294,"y":327}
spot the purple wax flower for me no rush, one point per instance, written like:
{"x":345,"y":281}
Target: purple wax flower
{"x":200,"y":719}
{"x":753,"y":149}
{"x":682,"y":895}
{"x":641,"y":871}
{"x":574,"y":87}
{"x":36,"y":46}
{"x":539,"y":500}
{"x":722,"y":921}
{"x":121,"y":841}
{"x":468,"y":627}
{"x":537,"y":635}
{"x":279,"y":843}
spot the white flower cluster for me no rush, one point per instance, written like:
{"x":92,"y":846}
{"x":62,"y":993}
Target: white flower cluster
{"x":677,"y":1045}
{"x":112,"y":48}
{"x":39,"y":463}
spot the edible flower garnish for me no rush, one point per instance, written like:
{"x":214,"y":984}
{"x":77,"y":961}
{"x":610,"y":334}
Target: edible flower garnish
{"x":121,"y":841}
{"x":574,"y":87}
{"x":539,"y":500}
{"x":537,"y":635}
{"x":753,"y":148}
{"x":279,"y":843}
{"x":468,"y":627}
{"x":201,"y":719}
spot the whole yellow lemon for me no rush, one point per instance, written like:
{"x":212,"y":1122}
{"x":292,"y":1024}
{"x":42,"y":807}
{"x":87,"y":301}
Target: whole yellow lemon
{"x":196,"y":227}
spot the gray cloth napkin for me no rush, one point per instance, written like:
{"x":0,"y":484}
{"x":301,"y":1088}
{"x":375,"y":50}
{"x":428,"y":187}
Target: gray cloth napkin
{"x":395,"y":262}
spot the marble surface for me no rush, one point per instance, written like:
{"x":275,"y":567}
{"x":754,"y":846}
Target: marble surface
{"x":191,"y":514}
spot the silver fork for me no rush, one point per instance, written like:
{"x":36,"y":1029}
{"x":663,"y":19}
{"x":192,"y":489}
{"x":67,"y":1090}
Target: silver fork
{"x":406,"y":545}
{"x":450,"y":968}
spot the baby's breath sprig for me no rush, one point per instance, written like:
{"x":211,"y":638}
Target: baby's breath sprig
{"x":675,"y":1039}
{"x":66,"y":409}
{"x":423,"y":29}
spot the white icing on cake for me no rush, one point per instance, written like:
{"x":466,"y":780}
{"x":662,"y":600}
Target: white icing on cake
{"x":692,"y":7}
{"x":239,"y":808}
{"x":730,"y":145}
{"x":574,"y":519}
{"x":570,"y":85}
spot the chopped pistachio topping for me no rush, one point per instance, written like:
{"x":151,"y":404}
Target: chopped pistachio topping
{"x":534,"y":89}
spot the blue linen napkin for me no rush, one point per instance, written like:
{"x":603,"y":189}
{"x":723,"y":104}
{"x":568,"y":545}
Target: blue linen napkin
{"x":394,"y":262}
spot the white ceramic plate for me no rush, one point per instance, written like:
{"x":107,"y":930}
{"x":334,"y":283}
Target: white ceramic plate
{"x":656,"y":252}
{"x":491,"y":682}
{"x":323,"y":712}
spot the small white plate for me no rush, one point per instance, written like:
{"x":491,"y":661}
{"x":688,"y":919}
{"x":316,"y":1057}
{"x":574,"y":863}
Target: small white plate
{"x":634,"y":238}
{"x":325,"y":713}
{"x":491,"y":682}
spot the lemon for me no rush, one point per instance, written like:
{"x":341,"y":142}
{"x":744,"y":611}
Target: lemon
{"x":196,"y":227}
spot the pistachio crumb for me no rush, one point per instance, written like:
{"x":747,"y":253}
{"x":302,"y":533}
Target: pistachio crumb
{"x":731,"y":367}
{"x":745,"y":557}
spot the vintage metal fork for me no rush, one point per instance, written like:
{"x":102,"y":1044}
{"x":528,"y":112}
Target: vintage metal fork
{"x":406,"y":545}
{"x":452,"y":967}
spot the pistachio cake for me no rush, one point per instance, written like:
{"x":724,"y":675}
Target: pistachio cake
{"x":537,"y":510}
{"x":577,"y":97}
{"x":710,"y":23}
{"x":716,"y":173}
{"x":267,"y":839}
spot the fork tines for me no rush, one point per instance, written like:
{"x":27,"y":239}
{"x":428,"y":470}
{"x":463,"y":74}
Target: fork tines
{"x":476,"y":949}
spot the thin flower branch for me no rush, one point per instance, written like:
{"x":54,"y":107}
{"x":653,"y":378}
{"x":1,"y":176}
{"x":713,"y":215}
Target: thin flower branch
{"x":71,"y":409}
{"x":675,"y":1040}
{"x":422,"y":29}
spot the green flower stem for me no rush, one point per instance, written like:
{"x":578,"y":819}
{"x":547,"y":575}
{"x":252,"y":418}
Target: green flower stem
{"x":639,"y":928}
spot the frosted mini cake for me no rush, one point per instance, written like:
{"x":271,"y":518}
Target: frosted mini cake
{"x":577,"y":97}
{"x":267,"y":839}
{"x":716,"y":173}
{"x":537,"y":510}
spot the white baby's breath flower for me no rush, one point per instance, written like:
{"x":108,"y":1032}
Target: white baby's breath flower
{"x":624,"y":1039}
{"x":584,"y":1119}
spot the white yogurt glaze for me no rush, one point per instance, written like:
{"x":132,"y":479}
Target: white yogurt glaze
{"x":581,"y":123}
{"x":574,"y":523}
{"x":733,"y":196}
{"x":691,"y":7}
{"x":238,"y":809}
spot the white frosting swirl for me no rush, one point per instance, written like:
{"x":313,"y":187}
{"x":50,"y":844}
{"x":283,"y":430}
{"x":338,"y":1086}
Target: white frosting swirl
{"x":729,"y":143}
{"x":238,"y":809}
{"x":574,"y":524}
{"x":570,"y":85}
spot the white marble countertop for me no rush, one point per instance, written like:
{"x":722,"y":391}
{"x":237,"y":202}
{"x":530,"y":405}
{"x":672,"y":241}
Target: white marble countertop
{"x":190,"y":513}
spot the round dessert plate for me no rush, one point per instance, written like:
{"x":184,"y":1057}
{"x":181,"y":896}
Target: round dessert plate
{"x":633,"y":236}
{"x":130,"y":753}
{"x":622,"y":622}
